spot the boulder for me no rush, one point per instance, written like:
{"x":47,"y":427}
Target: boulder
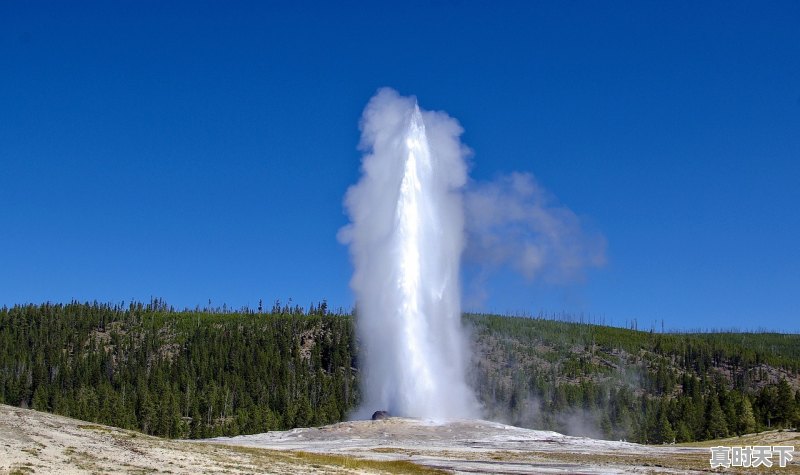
{"x":380,"y":415}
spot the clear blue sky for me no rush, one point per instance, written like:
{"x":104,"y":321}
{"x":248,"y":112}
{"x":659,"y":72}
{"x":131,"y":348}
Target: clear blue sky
{"x":197,"y":151}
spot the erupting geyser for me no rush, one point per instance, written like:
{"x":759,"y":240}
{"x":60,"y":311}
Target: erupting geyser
{"x":406,"y":239}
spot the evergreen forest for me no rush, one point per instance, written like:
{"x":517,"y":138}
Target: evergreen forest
{"x":212,"y":372}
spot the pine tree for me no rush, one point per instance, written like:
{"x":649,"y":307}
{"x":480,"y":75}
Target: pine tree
{"x":797,"y":409}
{"x":717,"y":426}
{"x":664,"y":432}
{"x":747,"y":421}
{"x":605,"y":425}
{"x":784,"y":410}
{"x":682,"y":432}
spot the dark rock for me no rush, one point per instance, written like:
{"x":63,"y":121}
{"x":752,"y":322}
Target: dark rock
{"x":379,"y":415}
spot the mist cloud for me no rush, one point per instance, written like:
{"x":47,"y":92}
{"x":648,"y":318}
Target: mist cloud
{"x":514,"y":222}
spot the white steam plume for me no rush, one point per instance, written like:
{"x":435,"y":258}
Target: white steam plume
{"x":406,"y":237}
{"x":513,"y":221}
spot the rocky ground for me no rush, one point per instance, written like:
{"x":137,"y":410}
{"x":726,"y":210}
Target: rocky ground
{"x":35,"y":442}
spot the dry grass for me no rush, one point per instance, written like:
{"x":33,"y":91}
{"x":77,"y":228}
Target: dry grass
{"x":22,"y":470}
{"x":95,"y":427}
{"x":773,"y":437}
{"x":354,"y":463}
{"x":696,"y":461}
{"x":644,"y":463}
{"x":344,"y":463}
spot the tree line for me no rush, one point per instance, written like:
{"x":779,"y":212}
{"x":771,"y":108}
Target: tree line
{"x":211,"y":372}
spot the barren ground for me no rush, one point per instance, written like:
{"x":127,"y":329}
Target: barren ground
{"x":35,"y":442}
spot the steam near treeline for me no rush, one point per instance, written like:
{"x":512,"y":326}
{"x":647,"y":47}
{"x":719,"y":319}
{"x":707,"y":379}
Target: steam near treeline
{"x":405,"y":237}
{"x":206,"y":373}
{"x":412,"y":214}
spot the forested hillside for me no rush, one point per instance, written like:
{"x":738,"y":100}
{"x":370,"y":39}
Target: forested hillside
{"x":205,"y":373}
{"x":179,"y":374}
{"x":615,"y":383}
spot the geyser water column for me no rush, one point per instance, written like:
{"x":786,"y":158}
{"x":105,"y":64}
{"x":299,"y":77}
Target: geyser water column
{"x":406,"y":239}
